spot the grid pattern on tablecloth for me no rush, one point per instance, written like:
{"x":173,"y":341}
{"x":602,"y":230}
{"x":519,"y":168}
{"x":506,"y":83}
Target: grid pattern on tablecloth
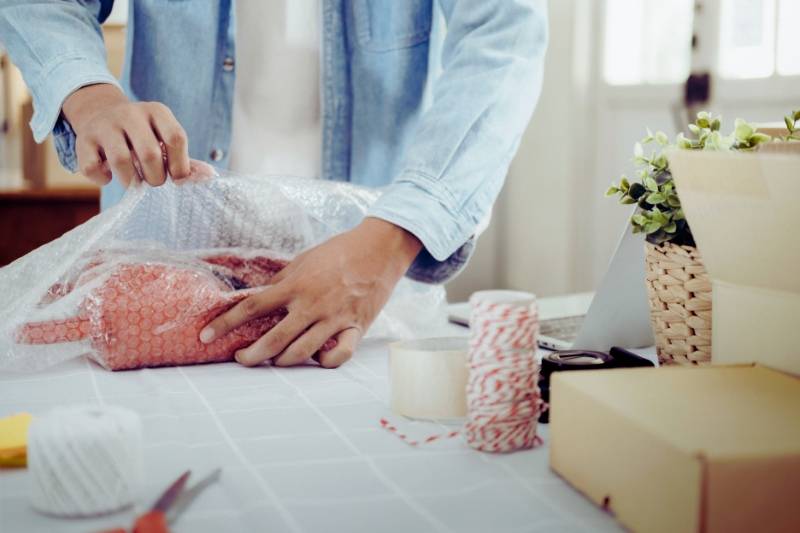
{"x":301,"y":450}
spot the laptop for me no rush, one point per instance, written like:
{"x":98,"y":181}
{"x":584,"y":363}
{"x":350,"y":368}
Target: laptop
{"x":616,"y":315}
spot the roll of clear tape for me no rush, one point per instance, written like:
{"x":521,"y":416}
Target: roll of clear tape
{"x":85,"y":460}
{"x":429,"y":378}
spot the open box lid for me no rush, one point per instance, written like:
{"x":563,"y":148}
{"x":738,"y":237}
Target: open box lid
{"x":750,"y":407}
{"x":743,"y":211}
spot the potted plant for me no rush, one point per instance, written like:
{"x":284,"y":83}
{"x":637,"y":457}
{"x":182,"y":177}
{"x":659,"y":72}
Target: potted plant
{"x":678,"y":286}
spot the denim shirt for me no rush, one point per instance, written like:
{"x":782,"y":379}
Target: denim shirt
{"x":431,"y":107}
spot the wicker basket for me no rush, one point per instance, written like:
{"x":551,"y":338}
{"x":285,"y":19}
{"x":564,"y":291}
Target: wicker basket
{"x":679,"y":291}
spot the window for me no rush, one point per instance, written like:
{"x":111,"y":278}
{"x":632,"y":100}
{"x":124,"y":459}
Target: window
{"x":647,"y":41}
{"x":756,"y":38}
{"x":747,"y":38}
{"x":788,"y":53}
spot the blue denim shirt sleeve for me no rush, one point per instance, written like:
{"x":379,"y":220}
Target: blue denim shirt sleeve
{"x":58,"y":47}
{"x":492,"y":67}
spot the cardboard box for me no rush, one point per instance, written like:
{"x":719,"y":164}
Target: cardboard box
{"x":677,"y":449}
{"x":742,"y":209}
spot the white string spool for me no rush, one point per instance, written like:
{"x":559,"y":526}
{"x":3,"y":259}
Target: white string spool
{"x":503,"y":400}
{"x":85,"y":460}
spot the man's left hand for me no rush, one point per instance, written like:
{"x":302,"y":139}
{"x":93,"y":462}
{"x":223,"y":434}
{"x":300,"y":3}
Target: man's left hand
{"x":334,"y":290}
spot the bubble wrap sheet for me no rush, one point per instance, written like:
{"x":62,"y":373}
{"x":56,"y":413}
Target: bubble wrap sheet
{"x":133,"y":286}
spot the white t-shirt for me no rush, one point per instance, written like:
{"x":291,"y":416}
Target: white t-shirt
{"x":276,"y":101}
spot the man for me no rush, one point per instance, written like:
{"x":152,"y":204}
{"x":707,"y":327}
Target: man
{"x":376,"y":92}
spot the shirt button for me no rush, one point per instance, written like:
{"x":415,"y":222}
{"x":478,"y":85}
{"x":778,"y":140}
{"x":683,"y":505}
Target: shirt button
{"x":216,"y":154}
{"x":227,"y":65}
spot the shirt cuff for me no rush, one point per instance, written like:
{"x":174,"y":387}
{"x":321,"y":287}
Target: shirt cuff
{"x":416,"y":205}
{"x":59,"y":79}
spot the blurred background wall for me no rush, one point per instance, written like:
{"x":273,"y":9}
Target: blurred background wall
{"x":614,"y":67}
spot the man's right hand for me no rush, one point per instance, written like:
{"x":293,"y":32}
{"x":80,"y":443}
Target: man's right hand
{"x":112,"y":131}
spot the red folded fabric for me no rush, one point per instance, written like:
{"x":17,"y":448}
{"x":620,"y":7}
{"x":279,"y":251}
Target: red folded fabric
{"x":149,"y":314}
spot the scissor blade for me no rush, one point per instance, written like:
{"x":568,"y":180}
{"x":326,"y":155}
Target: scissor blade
{"x":166,"y":499}
{"x":187,"y":497}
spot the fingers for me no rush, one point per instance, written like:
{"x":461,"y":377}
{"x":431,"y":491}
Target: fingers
{"x":147,"y":149}
{"x":346,"y":342}
{"x":251,"y":307}
{"x":137,"y":140}
{"x":170,"y":132}
{"x":307,"y":344}
{"x":119,"y":157}
{"x":92,"y":162}
{"x":275,"y":340}
{"x":198,"y":171}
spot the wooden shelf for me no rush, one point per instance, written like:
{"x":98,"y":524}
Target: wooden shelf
{"x":54,"y":195}
{"x":30,"y":218}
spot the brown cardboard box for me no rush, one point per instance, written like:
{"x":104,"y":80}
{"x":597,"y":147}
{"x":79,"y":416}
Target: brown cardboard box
{"x":742,"y":208}
{"x":680,"y":449}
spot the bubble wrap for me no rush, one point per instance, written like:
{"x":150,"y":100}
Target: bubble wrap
{"x":133,"y":286}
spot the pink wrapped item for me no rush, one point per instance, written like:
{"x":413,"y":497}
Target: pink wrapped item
{"x":147,"y":315}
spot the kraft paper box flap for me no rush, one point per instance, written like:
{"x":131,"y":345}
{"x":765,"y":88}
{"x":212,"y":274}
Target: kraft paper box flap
{"x":742,"y":208}
{"x":750,"y":407}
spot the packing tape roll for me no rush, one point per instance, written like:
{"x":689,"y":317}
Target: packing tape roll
{"x":429,"y":378}
{"x":85,"y":460}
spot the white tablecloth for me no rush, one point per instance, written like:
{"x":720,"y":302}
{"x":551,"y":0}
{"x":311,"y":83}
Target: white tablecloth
{"x":301,"y":450}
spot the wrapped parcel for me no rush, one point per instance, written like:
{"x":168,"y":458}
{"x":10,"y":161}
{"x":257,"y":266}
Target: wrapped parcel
{"x":134,"y":286}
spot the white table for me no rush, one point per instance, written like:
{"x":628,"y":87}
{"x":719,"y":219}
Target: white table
{"x":301,"y":450}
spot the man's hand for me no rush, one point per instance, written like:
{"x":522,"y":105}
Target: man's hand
{"x":333,"y":290}
{"x":113,"y":132}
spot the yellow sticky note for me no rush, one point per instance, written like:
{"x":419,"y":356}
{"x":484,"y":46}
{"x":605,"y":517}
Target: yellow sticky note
{"x":14,"y":439}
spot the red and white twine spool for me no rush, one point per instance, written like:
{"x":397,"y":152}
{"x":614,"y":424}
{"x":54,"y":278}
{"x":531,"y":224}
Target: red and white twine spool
{"x":503,"y":400}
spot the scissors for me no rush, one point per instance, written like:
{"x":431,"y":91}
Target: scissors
{"x":169,"y":505}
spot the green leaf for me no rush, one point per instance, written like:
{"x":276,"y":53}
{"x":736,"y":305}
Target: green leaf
{"x":673,"y":200}
{"x":658,"y":216}
{"x":639,"y":219}
{"x":612,"y":191}
{"x":661,"y":138}
{"x":694,"y":129}
{"x":758,"y":138}
{"x":678,"y":215}
{"x":638,"y":150}
{"x":789,"y":123}
{"x":652,"y":227}
{"x":671,"y":227}
{"x":683,"y":142}
{"x":656,"y":198}
{"x":651,"y":184}
{"x":660,"y":162}
{"x":624,"y":184}
{"x":796,"y":114}
{"x":743,"y":130}
{"x":716,"y":124}
{"x":626,"y":200}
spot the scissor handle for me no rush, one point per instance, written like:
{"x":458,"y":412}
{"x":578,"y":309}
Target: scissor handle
{"x":151,"y":522}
